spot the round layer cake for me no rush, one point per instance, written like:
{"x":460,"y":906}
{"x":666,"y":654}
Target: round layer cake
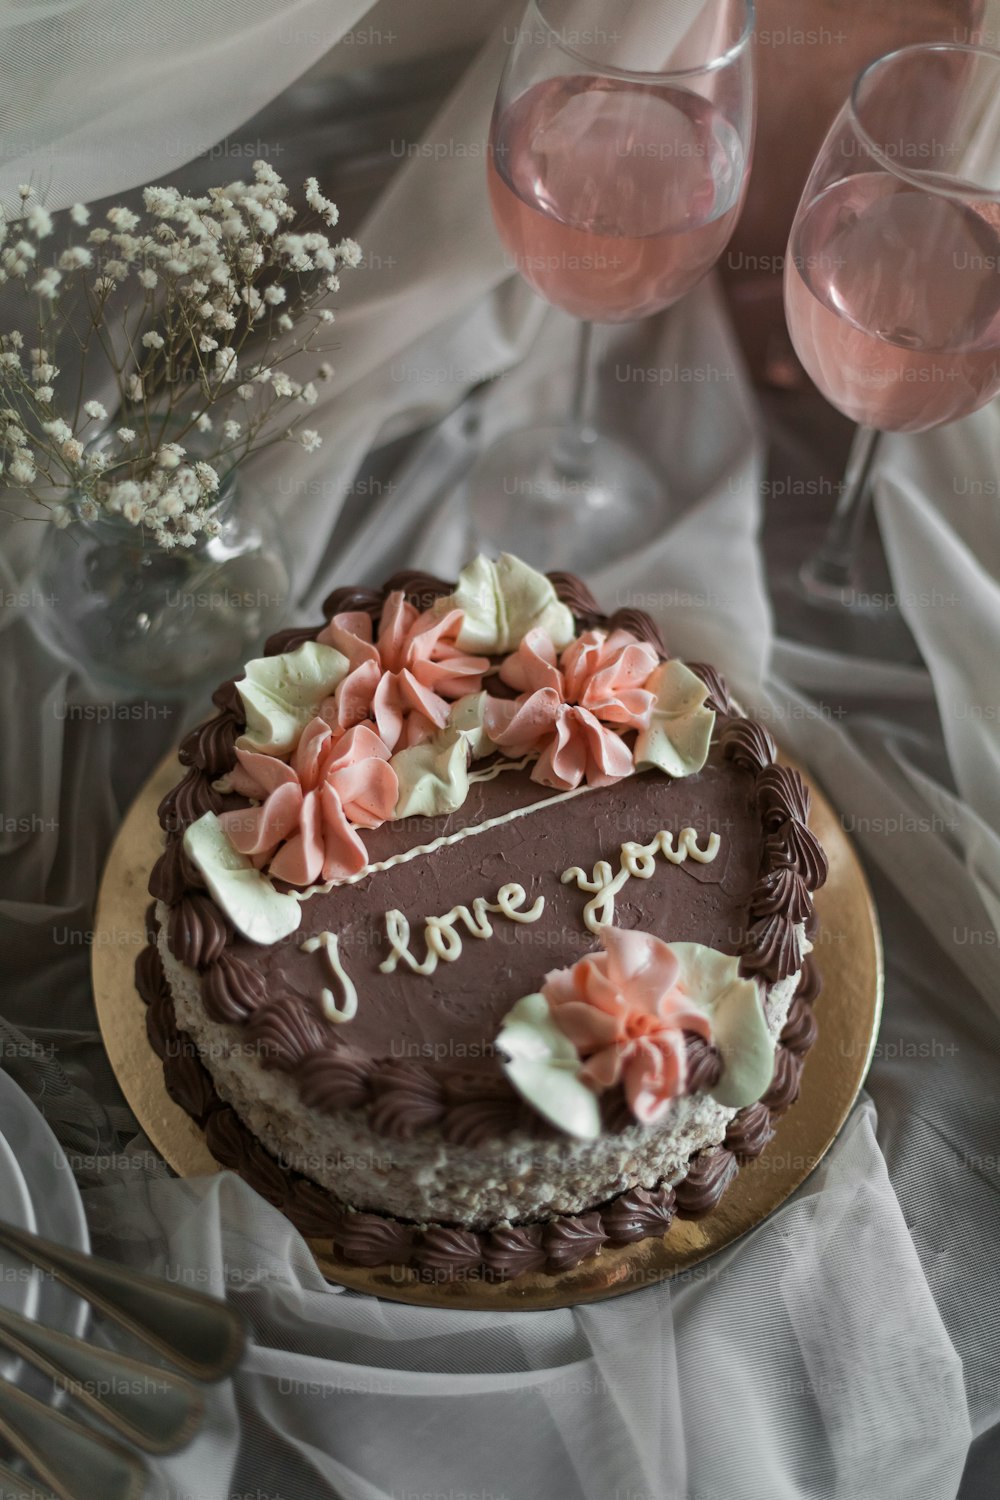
{"x":480,"y":935}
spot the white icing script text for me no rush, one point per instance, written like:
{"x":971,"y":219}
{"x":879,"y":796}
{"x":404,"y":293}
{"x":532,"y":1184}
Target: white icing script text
{"x":441,"y":935}
{"x":638,"y":860}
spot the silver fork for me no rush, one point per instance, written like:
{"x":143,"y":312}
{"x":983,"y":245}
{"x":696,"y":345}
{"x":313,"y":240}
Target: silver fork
{"x":21,"y":1486}
{"x":75,"y":1462}
{"x":156,"y":1409}
{"x":200,"y":1334}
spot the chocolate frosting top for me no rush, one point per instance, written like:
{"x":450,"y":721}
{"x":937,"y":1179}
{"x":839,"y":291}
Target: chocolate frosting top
{"x":448,"y":1020}
{"x":420,"y":1050}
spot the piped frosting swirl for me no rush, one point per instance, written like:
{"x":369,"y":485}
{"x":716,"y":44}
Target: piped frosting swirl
{"x":504,"y":1251}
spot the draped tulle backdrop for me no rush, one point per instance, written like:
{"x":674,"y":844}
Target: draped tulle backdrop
{"x":849,"y":1348}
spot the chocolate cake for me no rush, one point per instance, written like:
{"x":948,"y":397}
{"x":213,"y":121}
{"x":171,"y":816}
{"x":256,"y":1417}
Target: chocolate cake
{"x":480,"y":935}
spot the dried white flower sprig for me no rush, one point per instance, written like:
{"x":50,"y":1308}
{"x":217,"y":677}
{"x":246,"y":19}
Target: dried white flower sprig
{"x":220,"y":294}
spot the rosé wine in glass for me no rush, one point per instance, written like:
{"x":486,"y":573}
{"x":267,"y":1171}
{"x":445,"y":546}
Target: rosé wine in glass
{"x":614,"y":197}
{"x":892,"y":284}
{"x":619,"y":148}
{"x":896,"y":337}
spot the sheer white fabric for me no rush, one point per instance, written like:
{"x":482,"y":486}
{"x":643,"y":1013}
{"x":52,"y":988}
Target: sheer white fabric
{"x":100,"y":95}
{"x":848,"y":1348}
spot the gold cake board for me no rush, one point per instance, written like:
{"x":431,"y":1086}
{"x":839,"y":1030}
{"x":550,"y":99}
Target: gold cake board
{"x":849,"y":952}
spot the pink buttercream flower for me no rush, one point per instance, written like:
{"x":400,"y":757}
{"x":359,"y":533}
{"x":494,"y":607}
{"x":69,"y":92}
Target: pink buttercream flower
{"x":405,"y":679}
{"x":304,"y":828}
{"x":626,"y":1017}
{"x":573,"y":710}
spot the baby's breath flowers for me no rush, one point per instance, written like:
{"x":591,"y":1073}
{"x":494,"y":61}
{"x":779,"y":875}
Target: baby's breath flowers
{"x":225,"y":289}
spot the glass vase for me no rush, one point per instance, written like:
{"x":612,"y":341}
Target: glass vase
{"x":141,"y":620}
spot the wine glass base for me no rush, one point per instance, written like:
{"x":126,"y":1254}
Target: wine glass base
{"x":826,"y":589}
{"x":561,"y":498}
{"x":858,"y":617}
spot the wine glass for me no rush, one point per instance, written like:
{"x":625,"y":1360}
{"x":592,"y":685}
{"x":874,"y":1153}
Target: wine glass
{"x":618,"y":156}
{"x":892,"y":277}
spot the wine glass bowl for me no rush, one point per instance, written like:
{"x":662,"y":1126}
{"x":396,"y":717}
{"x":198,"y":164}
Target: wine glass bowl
{"x":614,"y":191}
{"x":891,"y":283}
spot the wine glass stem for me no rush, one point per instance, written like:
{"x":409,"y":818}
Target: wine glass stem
{"x":833,"y":565}
{"x":573,"y":452}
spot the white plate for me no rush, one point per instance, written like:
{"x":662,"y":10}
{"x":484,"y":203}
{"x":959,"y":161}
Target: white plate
{"x":58,"y":1210}
{"x":18,"y":1285}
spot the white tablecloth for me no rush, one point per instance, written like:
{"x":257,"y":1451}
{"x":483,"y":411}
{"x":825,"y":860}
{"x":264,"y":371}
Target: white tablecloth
{"x":850,"y":1348}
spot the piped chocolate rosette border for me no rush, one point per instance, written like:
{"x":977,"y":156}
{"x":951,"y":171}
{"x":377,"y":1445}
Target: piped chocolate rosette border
{"x":401,"y":1097}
